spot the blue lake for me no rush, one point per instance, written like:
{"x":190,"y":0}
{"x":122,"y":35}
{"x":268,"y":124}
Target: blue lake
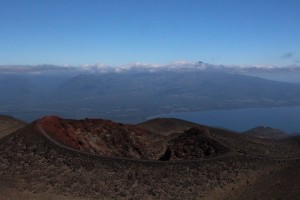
{"x":284,"y":118}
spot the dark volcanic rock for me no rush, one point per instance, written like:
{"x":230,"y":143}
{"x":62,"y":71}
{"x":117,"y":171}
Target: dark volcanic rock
{"x":45,"y":160}
{"x":195,"y":143}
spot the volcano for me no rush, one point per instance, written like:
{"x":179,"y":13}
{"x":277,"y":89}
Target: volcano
{"x":56,"y":158}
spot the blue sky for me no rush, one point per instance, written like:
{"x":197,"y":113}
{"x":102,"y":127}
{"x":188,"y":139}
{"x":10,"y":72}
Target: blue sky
{"x":118,"y":32}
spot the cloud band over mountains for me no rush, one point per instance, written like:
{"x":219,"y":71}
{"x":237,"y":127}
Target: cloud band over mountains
{"x":138,"y":67}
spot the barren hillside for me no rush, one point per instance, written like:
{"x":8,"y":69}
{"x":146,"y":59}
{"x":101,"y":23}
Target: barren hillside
{"x":9,"y":125}
{"x":37,"y":164}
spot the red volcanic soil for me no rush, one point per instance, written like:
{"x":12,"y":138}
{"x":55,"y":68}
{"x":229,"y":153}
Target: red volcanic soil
{"x":107,"y":138}
{"x":104,"y":137}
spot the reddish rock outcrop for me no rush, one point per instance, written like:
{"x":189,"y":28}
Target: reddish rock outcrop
{"x":104,"y":137}
{"x":107,"y":138}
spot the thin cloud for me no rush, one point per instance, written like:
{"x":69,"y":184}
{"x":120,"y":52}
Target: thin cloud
{"x":287,"y":55}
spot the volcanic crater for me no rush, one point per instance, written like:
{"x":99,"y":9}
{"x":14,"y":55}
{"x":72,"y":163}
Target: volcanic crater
{"x":55,"y":158}
{"x":107,"y":138}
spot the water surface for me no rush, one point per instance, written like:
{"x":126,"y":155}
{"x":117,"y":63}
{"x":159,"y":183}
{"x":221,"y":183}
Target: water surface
{"x":284,"y":118}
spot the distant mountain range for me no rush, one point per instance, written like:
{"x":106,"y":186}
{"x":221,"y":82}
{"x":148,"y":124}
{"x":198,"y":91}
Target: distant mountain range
{"x":131,"y":93}
{"x":266,"y":132}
